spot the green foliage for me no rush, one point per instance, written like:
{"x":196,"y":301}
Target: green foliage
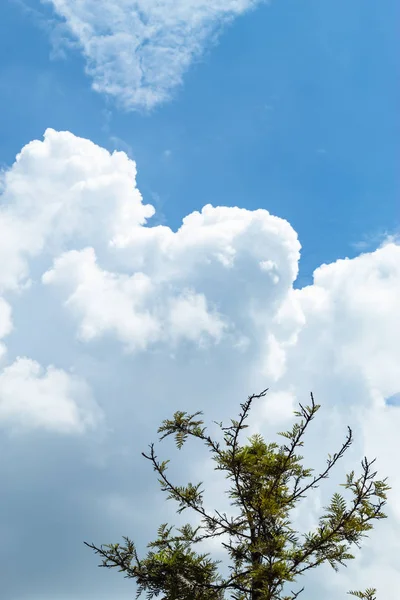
{"x":369,"y":594}
{"x":265,"y":551}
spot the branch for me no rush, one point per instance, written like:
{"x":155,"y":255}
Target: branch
{"x":191,"y":503}
{"x":331,"y":463}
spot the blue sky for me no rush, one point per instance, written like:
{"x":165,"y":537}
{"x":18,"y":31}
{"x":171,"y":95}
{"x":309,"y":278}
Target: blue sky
{"x":110,"y":311}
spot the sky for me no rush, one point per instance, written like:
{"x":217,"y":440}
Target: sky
{"x":198,"y":200}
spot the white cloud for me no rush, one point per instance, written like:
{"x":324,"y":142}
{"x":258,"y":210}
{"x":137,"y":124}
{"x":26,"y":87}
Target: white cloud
{"x":105,"y":301}
{"x":59,"y":189}
{"x":355,"y":303}
{"x":183,"y":284}
{"x":224,"y":281}
{"x":5,"y":318}
{"x":133,"y":307}
{"x":138,"y":50}
{"x":5,"y":323}
{"x":189,"y":318}
{"x":53,"y":400}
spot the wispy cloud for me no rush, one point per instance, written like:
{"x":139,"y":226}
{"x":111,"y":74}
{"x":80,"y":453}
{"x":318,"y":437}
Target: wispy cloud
{"x":139,"y":50}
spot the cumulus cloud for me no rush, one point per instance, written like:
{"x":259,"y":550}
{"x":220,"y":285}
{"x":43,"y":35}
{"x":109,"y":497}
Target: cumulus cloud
{"x":65,"y":191}
{"x":222,"y":282}
{"x":52,"y":192}
{"x":31,"y":398}
{"x":182,"y":288}
{"x":351,"y":304}
{"x":40,"y":212}
{"x":138,"y":50}
{"x":131,"y":307}
{"x":354,"y":302}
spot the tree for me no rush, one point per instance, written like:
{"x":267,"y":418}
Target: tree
{"x":265,"y":551}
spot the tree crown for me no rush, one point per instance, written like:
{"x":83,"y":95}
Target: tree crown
{"x":267,"y":482}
